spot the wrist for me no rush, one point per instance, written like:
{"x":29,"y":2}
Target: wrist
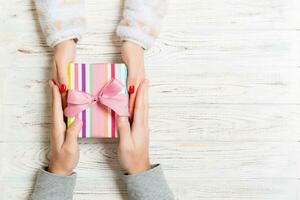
{"x":133,"y":46}
{"x":58,"y":171}
{"x":66,"y":43}
{"x":139,"y":168}
{"x":132,"y":54}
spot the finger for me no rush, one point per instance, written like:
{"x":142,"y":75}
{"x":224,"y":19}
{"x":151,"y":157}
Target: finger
{"x":140,"y":120}
{"x":54,"y":73}
{"x":56,"y":101}
{"x":72,"y":134}
{"x":139,"y":107}
{"x":146,"y":103}
{"x":57,"y":135}
{"x":132,"y":85}
{"x":124,"y":130}
{"x":135,"y":76}
{"x":61,"y":70}
{"x":131,"y":105}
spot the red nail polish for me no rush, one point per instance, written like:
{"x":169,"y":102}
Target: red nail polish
{"x":62,"y":88}
{"x":131,"y":89}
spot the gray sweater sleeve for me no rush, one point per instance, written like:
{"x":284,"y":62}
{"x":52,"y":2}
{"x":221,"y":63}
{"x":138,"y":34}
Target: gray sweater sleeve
{"x":49,"y":186}
{"x":149,"y":185}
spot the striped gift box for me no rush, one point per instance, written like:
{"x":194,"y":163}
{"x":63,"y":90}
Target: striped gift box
{"x":97,"y":121}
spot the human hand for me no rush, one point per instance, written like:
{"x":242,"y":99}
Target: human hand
{"x":133,"y":57}
{"x":134,"y":140}
{"x":64,"y":146}
{"x":65,"y":53}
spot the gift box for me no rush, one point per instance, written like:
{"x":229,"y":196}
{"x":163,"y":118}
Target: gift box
{"x":97,"y":93}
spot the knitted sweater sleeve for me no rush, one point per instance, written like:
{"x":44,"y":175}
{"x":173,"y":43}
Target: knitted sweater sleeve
{"x":142,"y":20}
{"x":61,"y":19}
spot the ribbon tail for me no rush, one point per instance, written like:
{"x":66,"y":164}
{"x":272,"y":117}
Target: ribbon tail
{"x":74,"y":109}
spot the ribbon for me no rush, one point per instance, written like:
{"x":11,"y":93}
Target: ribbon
{"x":109,"y":96}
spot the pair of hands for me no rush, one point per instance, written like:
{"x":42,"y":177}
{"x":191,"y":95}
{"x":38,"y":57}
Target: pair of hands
{"x":134,"y":137}
{"x":132,"y":56}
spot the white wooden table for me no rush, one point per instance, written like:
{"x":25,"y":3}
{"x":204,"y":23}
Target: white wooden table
{"x":225,"y":100}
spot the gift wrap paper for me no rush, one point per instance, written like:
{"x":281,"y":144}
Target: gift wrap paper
{"x":98,"y":121}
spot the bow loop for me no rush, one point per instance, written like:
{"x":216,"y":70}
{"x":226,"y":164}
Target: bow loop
{"x":111,"y":88}
{"x":77,"y":97}
{"x":108,"y":96}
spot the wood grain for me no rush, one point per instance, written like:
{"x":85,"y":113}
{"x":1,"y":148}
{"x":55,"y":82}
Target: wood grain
{"x":224,"y":100}
{"x":200,"y":122}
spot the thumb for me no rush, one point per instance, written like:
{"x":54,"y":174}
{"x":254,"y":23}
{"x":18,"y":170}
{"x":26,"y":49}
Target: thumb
{"x":73,"y":132}
{"x":61,"y":73}
{"x":132,"y":85}
{"x":124,"y":130}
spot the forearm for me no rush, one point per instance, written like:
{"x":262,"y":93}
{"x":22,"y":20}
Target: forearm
{"x":132,"y":54}
{"x":142,"y":21}
{"x":148,"y":185}
{"x":49,"y":186}
{"x":61,"y":20}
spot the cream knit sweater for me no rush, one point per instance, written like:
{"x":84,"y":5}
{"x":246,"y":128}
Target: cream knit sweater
{"x":66,"y":19}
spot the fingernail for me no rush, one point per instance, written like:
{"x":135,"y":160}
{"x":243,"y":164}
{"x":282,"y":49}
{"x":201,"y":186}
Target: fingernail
{"x":62,"y":88}
{"x":131,"y":89}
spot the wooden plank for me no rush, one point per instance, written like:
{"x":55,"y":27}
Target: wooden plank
{"x":224,"y":94}
{"x":188,"y":86}
{"x":207,"y":50}
{"x":247,"y":170}
{"x":214,"y":14}
{"x":257,"y":32}
{"x":174,"y":122}
{"x":180,"y":159}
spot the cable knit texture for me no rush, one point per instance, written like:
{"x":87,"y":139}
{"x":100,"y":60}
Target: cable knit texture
{"x":142,"y":21}
{"x":61,"y":19}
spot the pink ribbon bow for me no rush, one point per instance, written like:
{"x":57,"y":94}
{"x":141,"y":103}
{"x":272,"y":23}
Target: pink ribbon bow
{"x":108,"y":96}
